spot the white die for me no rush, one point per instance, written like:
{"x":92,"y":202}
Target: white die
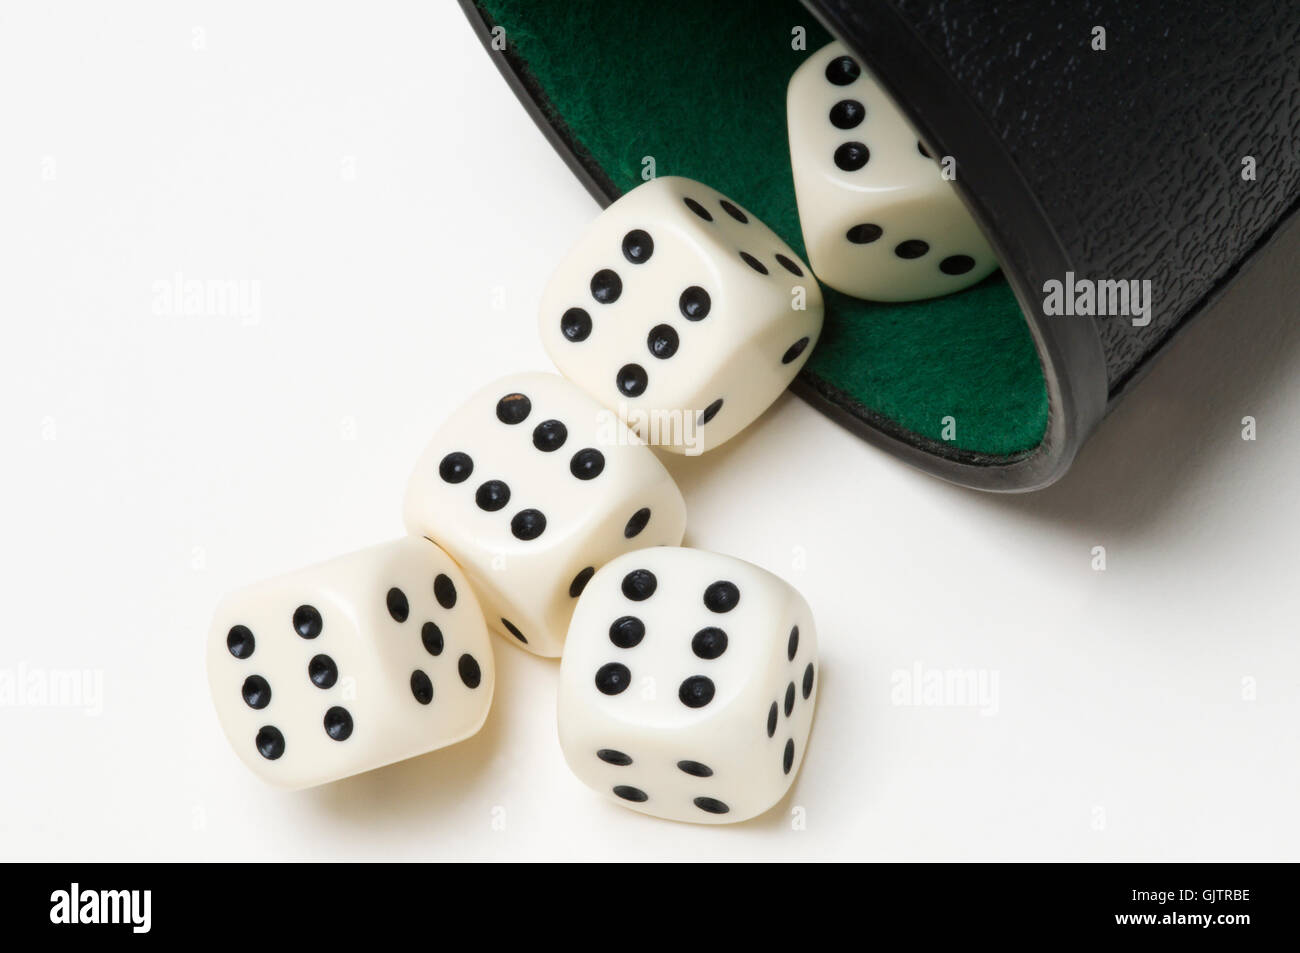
{"x":532,"y":486}
{"x":879,"y":219}
{"x":688,"y":685}
{"x":683,"y":312}
{"x":352,"y":664}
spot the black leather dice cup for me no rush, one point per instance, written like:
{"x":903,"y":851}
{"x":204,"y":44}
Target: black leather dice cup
{"x":1125,"y":158}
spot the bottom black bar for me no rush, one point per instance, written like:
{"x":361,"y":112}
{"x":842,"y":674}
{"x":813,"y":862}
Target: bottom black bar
{"x":142,"y":902}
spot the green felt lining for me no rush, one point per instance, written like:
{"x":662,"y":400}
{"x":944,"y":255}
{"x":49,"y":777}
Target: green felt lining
{"x":700,"y":87}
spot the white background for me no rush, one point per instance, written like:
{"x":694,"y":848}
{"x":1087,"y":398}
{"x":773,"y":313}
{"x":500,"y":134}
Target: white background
{"x":367,"y":167}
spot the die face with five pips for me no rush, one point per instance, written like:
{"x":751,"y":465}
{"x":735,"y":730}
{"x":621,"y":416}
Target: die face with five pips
{"x":352,"y":664}
{"x":687,"y":685}
{"x":532,"y":486}
{"x":880,"y":221}
{"x":682,"y":311}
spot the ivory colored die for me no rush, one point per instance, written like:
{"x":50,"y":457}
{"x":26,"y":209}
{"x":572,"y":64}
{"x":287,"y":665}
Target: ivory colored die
{"x":352,"y":664}
{"x":683,"y":312}
{"x":531,"y":486}
{"x":688,"y":685}
{"x":879,"y":219}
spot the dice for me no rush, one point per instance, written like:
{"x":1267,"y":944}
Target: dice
{"x":532,"y":486}
{"x":879,"y":219}
{"x":687,"y":685}
{"x":683,"y":312}
{"x":346,"y":666}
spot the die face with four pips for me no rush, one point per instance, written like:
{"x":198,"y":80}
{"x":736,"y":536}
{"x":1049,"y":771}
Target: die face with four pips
{"x":879,"y":219}
{"x":532,"y":486}
{"x":687,"y":685}
{"x":682,"y":311}
{"x":350,"y":665}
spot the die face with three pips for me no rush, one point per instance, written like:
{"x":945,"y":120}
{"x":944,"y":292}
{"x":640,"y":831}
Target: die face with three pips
{"x":350,"y":665}
{"x":880,"y":221}
{"x":688,"y":685}
{"x":688,"y":679}
{"x":683,"y":312}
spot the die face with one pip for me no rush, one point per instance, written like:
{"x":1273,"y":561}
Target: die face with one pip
{"x":683,"y":312}
{"x":687,"y":685}
{"x":531,"y":486}
{"x":368,"y":659}
{"x":879,"y":219}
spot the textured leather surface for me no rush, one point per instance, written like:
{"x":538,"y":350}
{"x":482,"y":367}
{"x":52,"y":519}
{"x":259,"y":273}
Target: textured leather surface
{"x":1115,"y":164}
{"x":1134,"y":153}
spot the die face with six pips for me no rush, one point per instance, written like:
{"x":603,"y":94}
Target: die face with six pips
{"x":879,"y":219}
{"x":531,"y":486}
{"x":339,"y":668}
{"x":683,"y":312}
{"x":687,"y":685}
{"x":688,"y":678}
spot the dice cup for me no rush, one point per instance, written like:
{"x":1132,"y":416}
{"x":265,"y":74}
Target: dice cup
{"x":1125,"y":164}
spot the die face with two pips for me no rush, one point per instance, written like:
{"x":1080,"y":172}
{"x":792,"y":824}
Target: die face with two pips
{"x":682,"y":311}
{"x":350,"y":665}
{"x":687,"y":685}
{"x":532,"y":486}
{"x":879,"y":219}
